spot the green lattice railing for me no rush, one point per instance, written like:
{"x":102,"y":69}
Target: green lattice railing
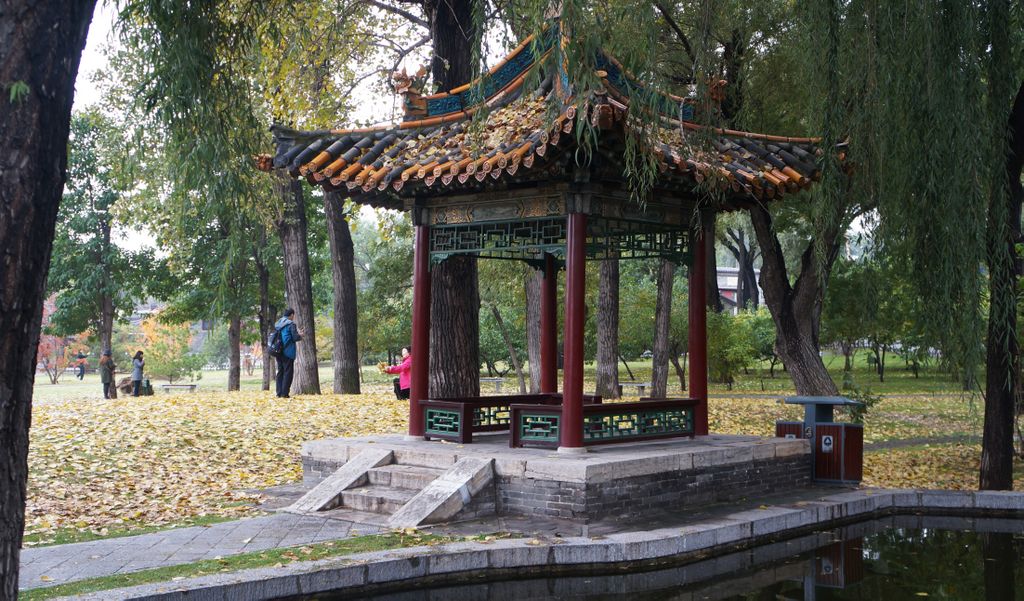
{"x":539,"y":428}
{"x":491,"y":416}
{"x":609,"y":423}
{"x":443,"y":422}
{"x":637,"y":424}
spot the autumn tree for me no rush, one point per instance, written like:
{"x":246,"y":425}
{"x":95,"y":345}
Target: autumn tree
{"x":167,"y":348}
{"x":57,"y":352}
{"x":95,"y":281}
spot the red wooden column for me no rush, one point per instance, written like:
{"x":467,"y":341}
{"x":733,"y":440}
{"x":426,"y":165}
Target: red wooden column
{"x":698,"y":330}
{"x":420,"y":328}
{"x":572,"y":370}
{"x":549,"y":327}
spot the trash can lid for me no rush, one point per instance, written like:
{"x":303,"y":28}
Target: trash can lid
{"x":820,"y":400}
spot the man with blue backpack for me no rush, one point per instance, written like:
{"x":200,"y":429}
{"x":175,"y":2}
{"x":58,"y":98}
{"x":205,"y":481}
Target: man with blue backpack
{"x":282,"y":346}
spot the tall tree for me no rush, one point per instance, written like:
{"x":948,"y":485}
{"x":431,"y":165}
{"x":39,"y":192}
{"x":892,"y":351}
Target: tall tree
{"x":95,"y":281}
{"x":291,"y":228}
{"x":739,"y":241}
{"x":608,"y":330}
{"x":40,"y":48}
{"x":454,"y":295}
{"x":532,"y":290}
{"x":662,"y":323}
{"x":346,"y":317}
{"x":1002,"y":365}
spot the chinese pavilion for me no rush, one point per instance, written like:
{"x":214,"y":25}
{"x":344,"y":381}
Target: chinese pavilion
{"x":493,"y":168}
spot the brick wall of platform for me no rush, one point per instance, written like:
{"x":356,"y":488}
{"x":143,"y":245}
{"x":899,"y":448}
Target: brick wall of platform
{"x":639,"y":495}
{"x":624,"y":497}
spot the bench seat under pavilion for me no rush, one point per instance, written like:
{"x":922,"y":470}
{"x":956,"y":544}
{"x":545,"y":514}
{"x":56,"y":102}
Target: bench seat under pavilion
{"x":494,"y":169}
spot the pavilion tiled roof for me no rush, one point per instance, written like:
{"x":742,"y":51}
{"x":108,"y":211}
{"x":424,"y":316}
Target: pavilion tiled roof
{"x":440,"y":144}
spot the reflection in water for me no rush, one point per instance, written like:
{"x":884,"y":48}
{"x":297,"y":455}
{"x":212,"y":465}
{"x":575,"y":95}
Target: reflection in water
{"x":902,"y":557}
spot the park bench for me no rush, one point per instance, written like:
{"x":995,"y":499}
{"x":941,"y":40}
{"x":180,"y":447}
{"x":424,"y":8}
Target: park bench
{"x":649,"y":419}
{"x":457,"y":419}
{"x":640,"y":387}
{"x":172,"y":387}
{"x":497,"y":383}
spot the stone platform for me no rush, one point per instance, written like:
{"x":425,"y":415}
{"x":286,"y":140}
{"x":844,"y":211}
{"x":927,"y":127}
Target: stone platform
{"x":613,"y":481}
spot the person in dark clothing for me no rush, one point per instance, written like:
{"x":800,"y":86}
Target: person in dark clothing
{"x":286,"y":360}
{"x":81,"y":366}
{"x":107,"y":374}
{"x":138,"y":364}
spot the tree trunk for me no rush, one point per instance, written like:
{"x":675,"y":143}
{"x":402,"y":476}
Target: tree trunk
{"x":106,"y":333}
{"x":608,"y":330}
{"x":40,"y":47}
{"x":452,"y":33}
{"x":267,"y":312}
{"x":629,"y":371}
{"x":511,"y":349}
{"x":455,"y":329}
{"x":662,"y":322}
{"x":532,"y":288}
{"x":714,"y":295}
{"x":750,"y":280}
{"x":292,"y":230}
{"x":742,"y":249}
{"x":234,"y":354}
{"x":1003,"y":348}
{"x":346,"y":317}
{"x":796,"y":309}
{"x":676,"y":350}
{"x":455,"y":296}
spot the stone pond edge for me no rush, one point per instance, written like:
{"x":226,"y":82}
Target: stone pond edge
{"x":699,"y":539}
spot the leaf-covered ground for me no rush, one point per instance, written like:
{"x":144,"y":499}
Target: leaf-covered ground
{"x":107,"y":465}
{"x":145,"y":461}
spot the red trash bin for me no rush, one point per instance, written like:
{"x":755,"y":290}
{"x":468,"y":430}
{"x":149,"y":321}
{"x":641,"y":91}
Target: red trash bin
{"x":839,"y":452}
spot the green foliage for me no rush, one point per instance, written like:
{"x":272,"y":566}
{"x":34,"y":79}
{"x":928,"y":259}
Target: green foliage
{"x":730,"y":345}
{"x":216,"y":348}
{"x":383,"y":259}
{"x":88,"y":266}
{"x":167,"y":351}
{"x":907,"y":88}
{"x":762,"y":333}
{"x":18,"y":90}
{"x":856,"y":413}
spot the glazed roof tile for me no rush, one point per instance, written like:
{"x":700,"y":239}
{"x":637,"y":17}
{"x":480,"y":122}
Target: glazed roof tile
{"x":441,"y":144}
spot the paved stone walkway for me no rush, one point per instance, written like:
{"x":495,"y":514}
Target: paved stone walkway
{"x":80,"y":561}
{"x":49,"y":566}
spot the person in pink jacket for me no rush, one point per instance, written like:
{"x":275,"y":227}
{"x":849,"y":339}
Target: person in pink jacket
{"x":404,"y":371}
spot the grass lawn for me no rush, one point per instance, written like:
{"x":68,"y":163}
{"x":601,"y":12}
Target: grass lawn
{"x":110,"y":467}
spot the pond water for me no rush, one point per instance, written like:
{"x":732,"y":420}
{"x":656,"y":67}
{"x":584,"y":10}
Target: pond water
{"x":902,"y":557}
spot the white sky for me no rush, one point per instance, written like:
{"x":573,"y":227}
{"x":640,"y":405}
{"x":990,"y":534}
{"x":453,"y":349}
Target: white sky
{"x":100,"y":31}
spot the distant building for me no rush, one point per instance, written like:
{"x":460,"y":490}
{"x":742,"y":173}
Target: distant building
{"x":728,"y":287}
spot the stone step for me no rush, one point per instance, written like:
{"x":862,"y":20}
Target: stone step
{"x":359,"y":518}
{"x":403,"y":476}
{"x":377,"y":499}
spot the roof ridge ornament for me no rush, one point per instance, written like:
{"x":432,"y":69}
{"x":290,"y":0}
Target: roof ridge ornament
{"x":410,"y":88}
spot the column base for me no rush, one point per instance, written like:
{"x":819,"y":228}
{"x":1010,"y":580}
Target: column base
{"x":411,"y":438}
{"x":573,"y":450}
